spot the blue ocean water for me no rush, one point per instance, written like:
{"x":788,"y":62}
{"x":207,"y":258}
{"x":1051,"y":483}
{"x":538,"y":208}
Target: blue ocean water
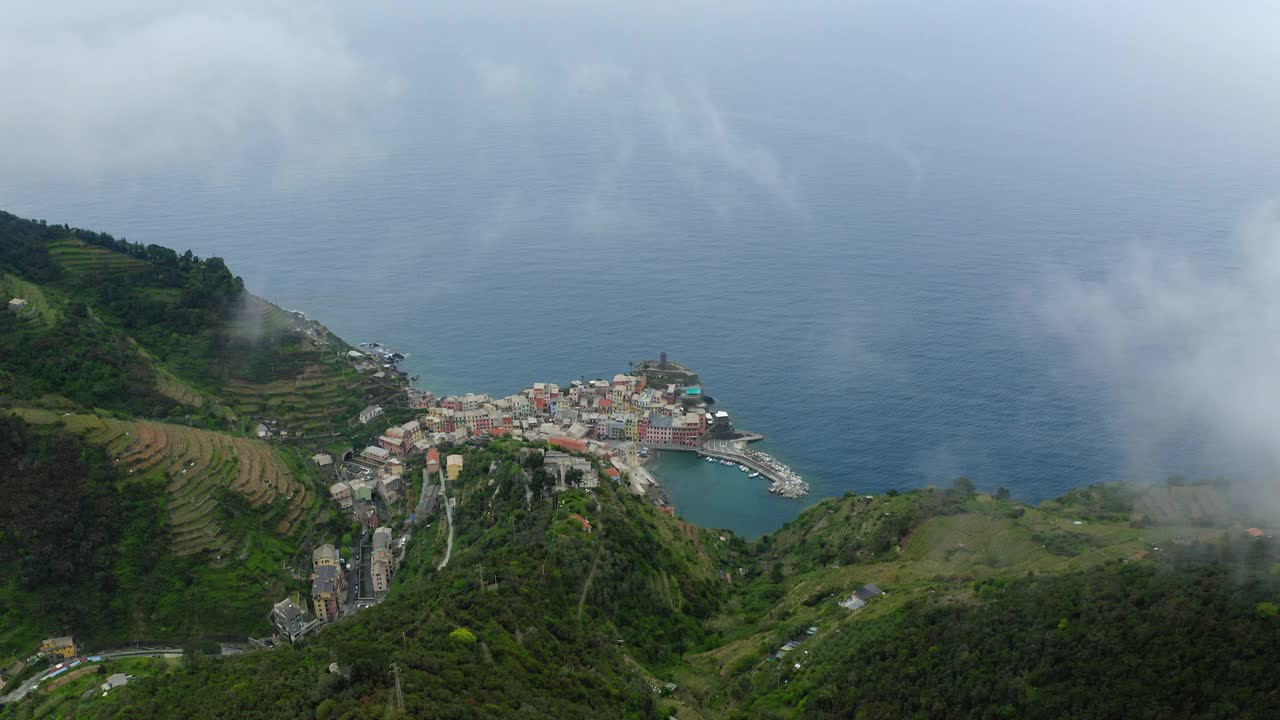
{"x":843,"y":221}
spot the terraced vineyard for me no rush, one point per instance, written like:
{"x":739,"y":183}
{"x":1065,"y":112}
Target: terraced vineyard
{"x":197,"y":465}
{"x":38,"y":307}
{"x":80,"y":258}
{"x":322,"y":399}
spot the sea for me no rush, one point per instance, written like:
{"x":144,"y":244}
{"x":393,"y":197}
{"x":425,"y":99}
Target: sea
{"x":853,"y":220}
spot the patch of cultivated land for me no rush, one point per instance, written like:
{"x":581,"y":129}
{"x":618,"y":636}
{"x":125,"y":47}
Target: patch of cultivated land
{"x":942,"y":557}
{"x":80,"y":258}
{"x":320,"y":399}
{"x":38,"y":307}
{"x":197,"y":465}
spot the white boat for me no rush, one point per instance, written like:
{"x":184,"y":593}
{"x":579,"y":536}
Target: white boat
{"x":754,"y":474}
{"x":710,"y":459}
{"x":744,"y":468}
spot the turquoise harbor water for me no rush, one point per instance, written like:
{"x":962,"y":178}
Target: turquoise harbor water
{"x":844,"y":219}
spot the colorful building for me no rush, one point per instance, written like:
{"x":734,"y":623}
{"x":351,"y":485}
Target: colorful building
{"x":63,"y":647}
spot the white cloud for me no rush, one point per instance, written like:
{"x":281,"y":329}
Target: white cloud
{"x":1189,"y":356}
{"x":98,"y":89}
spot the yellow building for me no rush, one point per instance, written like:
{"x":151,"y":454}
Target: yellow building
{"x":63,"y":647}
{"x":453,"y":467}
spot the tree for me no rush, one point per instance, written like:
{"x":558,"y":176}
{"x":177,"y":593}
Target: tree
{"x":963,"y":485}
{"x":1002,"y":493}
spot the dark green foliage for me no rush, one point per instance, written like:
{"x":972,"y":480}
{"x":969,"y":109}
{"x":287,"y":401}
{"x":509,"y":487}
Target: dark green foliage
{"x":538,"y":640}
{"x":79,"y":359}
{"x":90,"y":551}
{"x":1098,"y":502}
{"x":1137,"y":641}
{"x":162,"y":305}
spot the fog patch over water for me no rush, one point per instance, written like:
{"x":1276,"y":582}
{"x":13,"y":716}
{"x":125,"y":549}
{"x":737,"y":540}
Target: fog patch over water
{"x":95,"y":89}
{"x":1190,"y":357}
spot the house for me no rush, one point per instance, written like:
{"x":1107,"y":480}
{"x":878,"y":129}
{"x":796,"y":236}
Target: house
{"x":63,"y":647}
{"x":414,"y":430}
{"x":394,"y":467}
{"x":381,"y":563}
{"x":861,"y":596}
{"x":115,"y":681}
{"x":322,"y":460}
{"x":559,"y":464}
{"x":291,"y":619}
{"x":395,"y":440}
{"x":362,"y":490}
{"x":324,"y":555}
{"x":375,"y":454}
{"x":328,"y":584}
{"x":453,"y":467}
{"x":370,"y":413}
{"x":388,"y":489}
{"x":341,"y":494}
{"x":584,"y":523}
{"x":17,"y":305}
{"x":1255,"y":532}
{"x":433,"y":461}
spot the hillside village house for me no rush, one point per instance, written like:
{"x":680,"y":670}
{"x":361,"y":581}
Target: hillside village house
{"x":341,"y":494}
{"x":328,"y":586}
{"x":291,"y":619}
{"x":433,"y":461}
{"x":381,"y":564}
{"x":376,"y":454}
{"x":63,"y":647}
{"x":388,"y":488}
{"x":370,"y":413}
{"x":17,"y":305}
{"x":114,"y":681}
{"x":559,"y":464}
{"x":861,"y":596}
{"x":453,"y":467}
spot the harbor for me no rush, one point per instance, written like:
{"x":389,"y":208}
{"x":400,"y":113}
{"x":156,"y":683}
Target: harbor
{"x":782,"y":479}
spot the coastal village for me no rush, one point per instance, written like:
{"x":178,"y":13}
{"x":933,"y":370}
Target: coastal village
{"x":602,"y":430}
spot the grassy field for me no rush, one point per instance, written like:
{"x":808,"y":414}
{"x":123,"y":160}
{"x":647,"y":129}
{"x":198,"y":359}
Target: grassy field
{"x":197,"y":466}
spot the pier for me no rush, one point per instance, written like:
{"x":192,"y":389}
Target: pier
{"x":783,"y":480}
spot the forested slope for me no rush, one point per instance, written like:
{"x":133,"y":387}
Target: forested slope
{"x":132,"y":378}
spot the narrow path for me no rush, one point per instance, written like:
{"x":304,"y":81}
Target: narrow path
{"x":448,"y":511}
{"x":595,"y":562}
{"x":586,"y":584}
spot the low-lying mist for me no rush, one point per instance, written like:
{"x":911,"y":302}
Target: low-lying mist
{"x":1188,"y":354}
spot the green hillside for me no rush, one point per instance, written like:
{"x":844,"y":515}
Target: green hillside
{"x":156,"y":367}
{"x":141,"y":506}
